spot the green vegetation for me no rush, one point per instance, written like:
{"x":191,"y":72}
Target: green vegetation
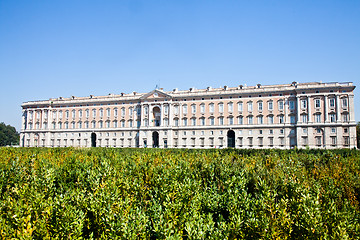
{"x":358,"y":134}
{"x":8,"y":135}
{"x":179,"y":194}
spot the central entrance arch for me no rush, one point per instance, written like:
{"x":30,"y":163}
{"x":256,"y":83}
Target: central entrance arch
{"x":231,"y":139}
{"x":93,"y":139}
{"x":155,"y":138}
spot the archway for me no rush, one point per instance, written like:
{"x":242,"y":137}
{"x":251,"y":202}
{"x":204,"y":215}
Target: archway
{"x":93,"y":139}
{"x":155,"y":138}
{"x":231,"y":139}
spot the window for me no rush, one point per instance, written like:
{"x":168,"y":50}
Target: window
{"x":53,"y":125}
{"x":231,"y":120}
{"x":260,"y":106}
{"x":54,"y":114}
{"x":211,"y":107}
{"x":240,"y":120}
{"x":86,"y":124}
{"x":292,"y":119}
{"x":270,"y":105}
{"x":60,"y":114}
{"x":344,"y":102}
{"x":281,"y":131}
{"x":230,"y":107}
{"x":332,"y":117}
{"x":202,"y":108}
{"x":73,"y":113}
{"x":93,"y":124}
{"x":107,"y":124}
{"x":66,"y":114}
{"x":185,"y":121}
{"x":193,"y":121}
{"x":346,"y":141}
{"x":304,"y":130}
{"x":318,"y":141}
{"x":176,"y":122}
{"x":345,"y":117}
{"x":123,"y":112}
{"x":212,"y":121}
{"x":202,"y":120}
{"x":193,"y":108}
{"x":184,"y":109}
{"x":108,"y":112}
{"x":271,"y":141}
{"x":270,"y":119}
{"x":101,"y":112}
{"x":291,"y":105}
{"x":94,"y":112}
{"x":250,"y":120}
{"x":166,"y":109}
{"x":87,"y":112}
{"x":281,"y":105}
{"x":101,"y":124}
{"x":66,"y":125}
{"x":221,"y":121}
{"x":80,"y":113}
{"x":332,"y":102}
{"x":281,"y":119}
{"x":176,"y":109}
{"x":317,"y":103}
{"x":260,"y":120}
{"x":250,"y":106}
{"x":221,"y":107}
{"x":240,"y":106}
{"x":303,"y":103}
{"x":73,"y":125}
{"x":333,"y":130}
{"x":304,"y":118}
{"x":131,"y":111}
{"x":130,"y":123}
{"x":333,"y":140}
{"x":271,"y":131}
{"x":317,"y":118}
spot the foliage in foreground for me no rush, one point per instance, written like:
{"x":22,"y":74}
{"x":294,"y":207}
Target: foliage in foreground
{"x":180,"y":194}
{"x":8,"y":135}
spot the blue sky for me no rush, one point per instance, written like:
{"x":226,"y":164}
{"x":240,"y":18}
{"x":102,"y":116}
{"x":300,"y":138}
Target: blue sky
{"x":64,"y":48}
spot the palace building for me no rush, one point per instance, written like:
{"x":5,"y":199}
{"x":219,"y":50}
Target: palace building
{"x":315,"y":115}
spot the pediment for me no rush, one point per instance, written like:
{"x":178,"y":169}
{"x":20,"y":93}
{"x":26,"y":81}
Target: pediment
{"x":155,"y":94}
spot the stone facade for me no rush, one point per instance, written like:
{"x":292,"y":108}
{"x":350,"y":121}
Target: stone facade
{"x":318,"y":115}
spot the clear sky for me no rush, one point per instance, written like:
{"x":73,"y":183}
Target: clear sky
{"x":64,"y":48}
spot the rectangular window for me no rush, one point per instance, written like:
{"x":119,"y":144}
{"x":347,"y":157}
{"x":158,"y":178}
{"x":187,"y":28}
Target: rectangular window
{"x":221,"y":107}
{"x":281,"y":119}
{"x":202,"y":108}
{"x":333,"y":141}
{"x":291,"y":105}
{"x":281,"y":105}
{"x":270,"y":105}
{"x":250,"y":106}
{"x":211,"y":107}
{"x":185,"y":121}
{"x":193,"y":109}
{"x":270,"y":120}
{"x":250,"y":120}
{"x":317,"y":103}
{"x":108,"y":112}
{"x":260,"y":120}
{"x":260,"y":106}
{"x":240,"y":106}
{"x":221,"y":121}
{"x":344,"y":102}
{"x":176,"y":109}
{"x":202,"y":121}
{"x":303,"y":103}
{"x":231,"y":121}
{"x":240,"y":120}
{"x":292,"y":119}
{"x":332,"y":102}
{"x":184,"y":109}
{"x":212,"y":121}
{"x":193,"y":121}
{"x":345,"y":117}
{"x":318,"y":118}
{"x":230,"y":107}
{"x":304,"y":118}
{"x":166,"y":109}
{"x":332,"y":117}
{"x":176,"y":122}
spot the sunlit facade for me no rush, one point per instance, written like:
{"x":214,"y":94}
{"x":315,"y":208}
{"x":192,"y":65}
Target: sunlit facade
{"x":317,"y":115}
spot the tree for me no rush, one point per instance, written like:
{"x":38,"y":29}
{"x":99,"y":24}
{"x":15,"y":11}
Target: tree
{"x":8,"y":135}
{"x":358,"y":134}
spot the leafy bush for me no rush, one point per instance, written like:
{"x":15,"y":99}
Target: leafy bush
{"x":181,"y":194}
